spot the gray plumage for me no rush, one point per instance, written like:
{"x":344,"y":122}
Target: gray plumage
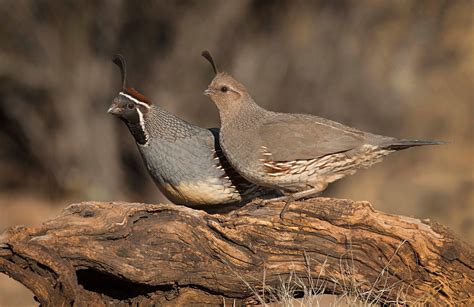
{"x":188,"y":166}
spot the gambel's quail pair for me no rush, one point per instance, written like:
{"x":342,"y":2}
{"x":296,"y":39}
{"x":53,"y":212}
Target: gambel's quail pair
{"x":256,"y":154}
{"x":185,"y":161}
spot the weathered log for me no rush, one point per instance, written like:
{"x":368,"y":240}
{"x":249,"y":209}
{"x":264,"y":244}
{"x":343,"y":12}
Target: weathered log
{"x":122,"y":253}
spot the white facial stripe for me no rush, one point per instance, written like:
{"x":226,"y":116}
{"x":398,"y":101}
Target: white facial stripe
{"x":134,"y":100}
{"x":142,"y":124}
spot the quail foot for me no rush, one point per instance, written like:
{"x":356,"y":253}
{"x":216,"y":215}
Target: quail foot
{"x":297,"y":153}
{"x":185,"y":161}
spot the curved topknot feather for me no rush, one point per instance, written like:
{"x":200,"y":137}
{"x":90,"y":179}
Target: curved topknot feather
{"x":208,"y":57}
{"x":119,"y":60}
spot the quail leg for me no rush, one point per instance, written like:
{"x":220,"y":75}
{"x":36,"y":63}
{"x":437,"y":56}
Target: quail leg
{"x":269,"y":200}
{"x":313,"y":192}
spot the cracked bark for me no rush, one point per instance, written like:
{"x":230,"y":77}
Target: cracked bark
{"x":123,"y":253}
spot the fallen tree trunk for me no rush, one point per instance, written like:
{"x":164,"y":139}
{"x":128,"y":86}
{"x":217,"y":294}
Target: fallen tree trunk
{"x":122,"y":253}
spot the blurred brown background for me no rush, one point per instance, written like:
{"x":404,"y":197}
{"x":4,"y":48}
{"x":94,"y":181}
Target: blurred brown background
{"x":399,"y":68}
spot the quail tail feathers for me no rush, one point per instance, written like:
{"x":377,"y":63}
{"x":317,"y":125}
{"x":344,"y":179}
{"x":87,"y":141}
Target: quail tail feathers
{"x":404,"y":144}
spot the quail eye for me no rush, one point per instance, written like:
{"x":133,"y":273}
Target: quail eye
{"x":224,"y":89}
{"x":130,"y":105}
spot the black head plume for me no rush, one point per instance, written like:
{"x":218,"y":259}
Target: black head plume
{"x":208,"y":57}
{"x":120,"y":62}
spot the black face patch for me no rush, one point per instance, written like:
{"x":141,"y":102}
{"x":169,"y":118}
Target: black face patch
{"x":130,"y":114}
{"x":137,"y":131}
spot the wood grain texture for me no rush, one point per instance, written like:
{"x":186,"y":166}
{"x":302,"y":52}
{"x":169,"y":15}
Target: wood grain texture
{"x":129,"y":253}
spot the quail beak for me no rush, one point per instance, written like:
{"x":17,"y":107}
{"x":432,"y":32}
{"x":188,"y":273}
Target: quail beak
{"x":115,"y":110}
{"x":208,"y":92}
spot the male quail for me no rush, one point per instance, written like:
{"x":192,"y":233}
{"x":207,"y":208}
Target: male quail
{"x":297,"y":153}
{"x":185,"y":161}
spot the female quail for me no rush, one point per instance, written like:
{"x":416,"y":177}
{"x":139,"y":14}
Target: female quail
{"x":297,"y":153}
